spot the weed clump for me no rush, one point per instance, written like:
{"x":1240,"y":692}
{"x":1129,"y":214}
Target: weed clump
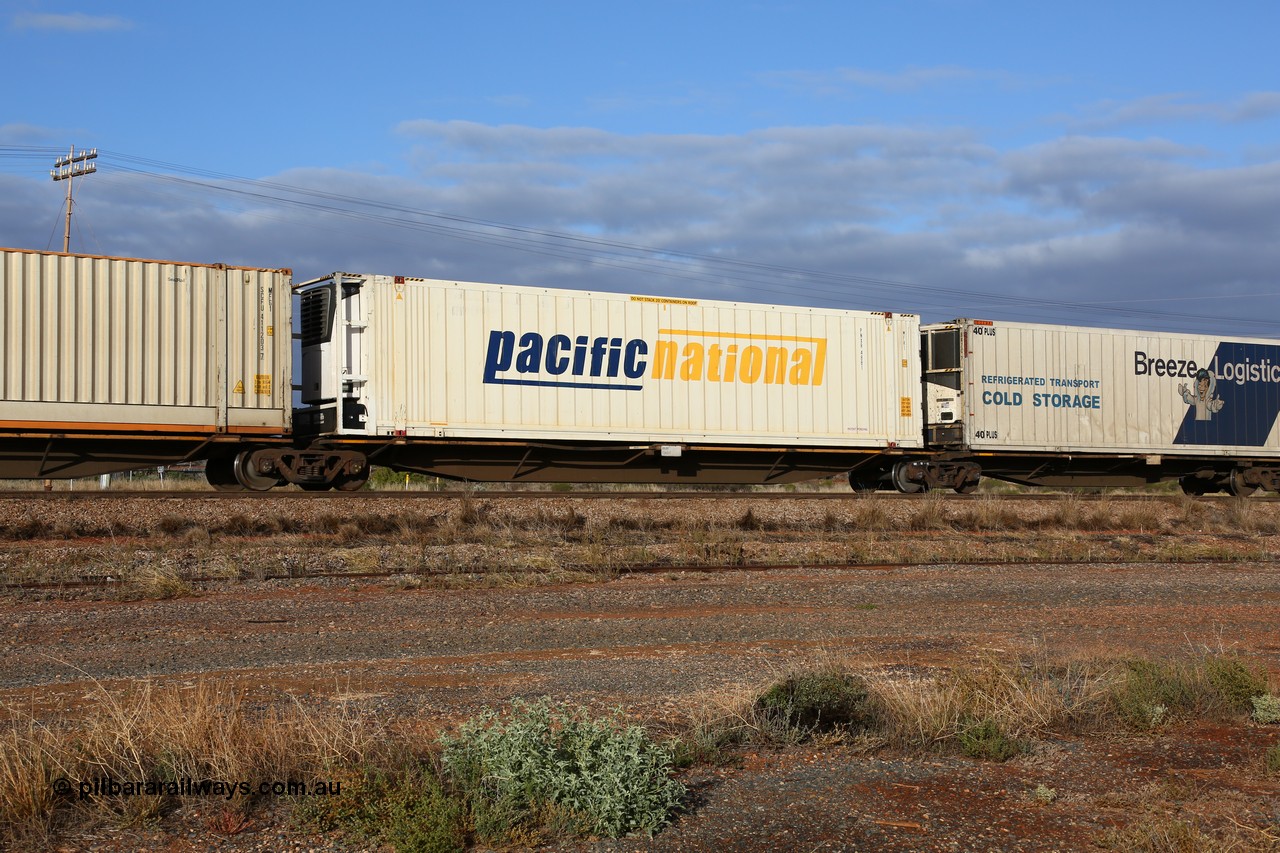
{"x":984,"y":739}
{"x":1147,"y":693}
{"x":1266,"y":708}
{"x":547,"y":767}
{"x":822,"y":700}
{"x":408,"y":810}
{"x":1234,"y":682}
{"x":1271,"y":760}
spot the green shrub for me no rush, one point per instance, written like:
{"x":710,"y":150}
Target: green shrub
{"x":1266,"y":708}
{"x":984,"y":739}
{"x":411,"y":812}
{"x":1271,"y":760}
{"x":818,"y":701}
{"x":1149,"y":692}
{"x":555,"y":768}
{"x":1234,"y":682}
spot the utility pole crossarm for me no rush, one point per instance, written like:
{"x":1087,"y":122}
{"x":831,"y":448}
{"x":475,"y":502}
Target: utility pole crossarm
{"x":65,"y":169}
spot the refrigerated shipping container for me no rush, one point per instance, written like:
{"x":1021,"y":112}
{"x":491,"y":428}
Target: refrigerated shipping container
{"x":455,"y":361}
{"x":1013,"y":386}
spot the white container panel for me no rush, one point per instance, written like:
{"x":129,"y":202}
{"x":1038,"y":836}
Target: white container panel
{"x":1072,"y":389}
{"x":124,"y":344}
{"x":450,"y":359}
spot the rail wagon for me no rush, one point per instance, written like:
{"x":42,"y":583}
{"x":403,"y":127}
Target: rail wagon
{"x":110,"y":364}
{"x":1061,"y":405}
{"x":498,"y":382}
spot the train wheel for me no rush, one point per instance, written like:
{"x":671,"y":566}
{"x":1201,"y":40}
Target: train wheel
{"x":219,"y":472}
{"x":246,"y":473}
{"x":1237,"y":486}
{"x":902,"y":484}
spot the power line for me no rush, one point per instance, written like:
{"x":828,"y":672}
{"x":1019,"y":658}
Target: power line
{"x":608,"y":253}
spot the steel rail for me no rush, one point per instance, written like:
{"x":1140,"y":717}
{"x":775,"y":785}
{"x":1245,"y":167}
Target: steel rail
{"x":460,"y":494}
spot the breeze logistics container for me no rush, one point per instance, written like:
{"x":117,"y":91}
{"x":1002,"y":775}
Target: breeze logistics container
{"x":1048,"y":404}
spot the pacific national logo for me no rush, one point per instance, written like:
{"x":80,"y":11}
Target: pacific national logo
{"x":737,"y":357}
{"x":678,"y":355}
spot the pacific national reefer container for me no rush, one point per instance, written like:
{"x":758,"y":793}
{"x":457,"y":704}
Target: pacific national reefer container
{"x":112,"y":363}
{"x":1058,"y":399}
{"x":590,"y":385}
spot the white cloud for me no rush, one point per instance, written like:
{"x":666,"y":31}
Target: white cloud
{"x":843,"y":81}
{"x":1076,"y":219}
{"x":1174,"y":107}
{"x":76,"y":22}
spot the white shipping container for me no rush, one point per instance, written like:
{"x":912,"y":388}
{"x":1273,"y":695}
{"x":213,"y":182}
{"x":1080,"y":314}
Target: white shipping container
{"x":1013,"y":386}
{"x":116,"y":344}
{"x":446,"y":359}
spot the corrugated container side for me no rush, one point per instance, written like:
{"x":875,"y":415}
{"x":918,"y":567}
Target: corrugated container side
{"x":451,"y":359}
{"x":114,"y":343}
{"x":1074,"y":389}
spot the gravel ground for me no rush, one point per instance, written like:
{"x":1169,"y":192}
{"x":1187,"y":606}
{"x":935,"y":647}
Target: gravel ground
{"x":659,"y":644}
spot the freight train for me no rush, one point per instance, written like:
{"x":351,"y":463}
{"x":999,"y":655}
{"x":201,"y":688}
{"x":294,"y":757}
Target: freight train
{"x":111,"y":364}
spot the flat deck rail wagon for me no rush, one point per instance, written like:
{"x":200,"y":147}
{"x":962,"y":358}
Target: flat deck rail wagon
{"x":499,"y":382}
{"x":1060,"y":405}
{"x":110,"y":364}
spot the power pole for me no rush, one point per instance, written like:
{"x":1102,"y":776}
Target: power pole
{"x":65,"y":169}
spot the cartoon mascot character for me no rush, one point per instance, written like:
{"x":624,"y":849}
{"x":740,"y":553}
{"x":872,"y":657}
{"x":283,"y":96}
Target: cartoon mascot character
{"x":1202,"y":396}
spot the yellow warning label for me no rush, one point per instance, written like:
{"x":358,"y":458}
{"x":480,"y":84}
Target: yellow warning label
{"x":271,"y":331}
{"x":239,"y":389}
{"x":906,"y":407}
{"x":262,"y":383}
{"x":663,"y":300}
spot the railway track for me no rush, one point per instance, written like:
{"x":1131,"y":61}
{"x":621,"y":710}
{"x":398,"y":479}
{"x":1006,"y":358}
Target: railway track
{"x":461,"y":494}
{"x":108,"y":582}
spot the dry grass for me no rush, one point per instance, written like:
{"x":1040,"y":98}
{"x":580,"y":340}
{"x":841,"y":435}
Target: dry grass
{"x":993,"y":708}
{"x":155,"y":581}
{"x":29,"y":762}
{"x":205,"y":731}
{"x":1018,"y":701}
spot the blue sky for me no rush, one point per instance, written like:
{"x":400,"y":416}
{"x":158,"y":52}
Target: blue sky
{"x":1095,"y":163}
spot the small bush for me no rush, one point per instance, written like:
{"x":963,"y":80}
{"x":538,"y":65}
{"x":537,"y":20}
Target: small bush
{"x":174,"y":524}
{"x":411,"y":812}
{"x":1234,"y":682}
{"x":1148,"y":692}
{"x":1266,"y":708}
{"x":1044,"y":795}
{"x":156,"y":582}
{"x":984,"y":739}
{"x":549,"y":767}
{"x":818,"y":701}
{"x":1271,"y":759}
